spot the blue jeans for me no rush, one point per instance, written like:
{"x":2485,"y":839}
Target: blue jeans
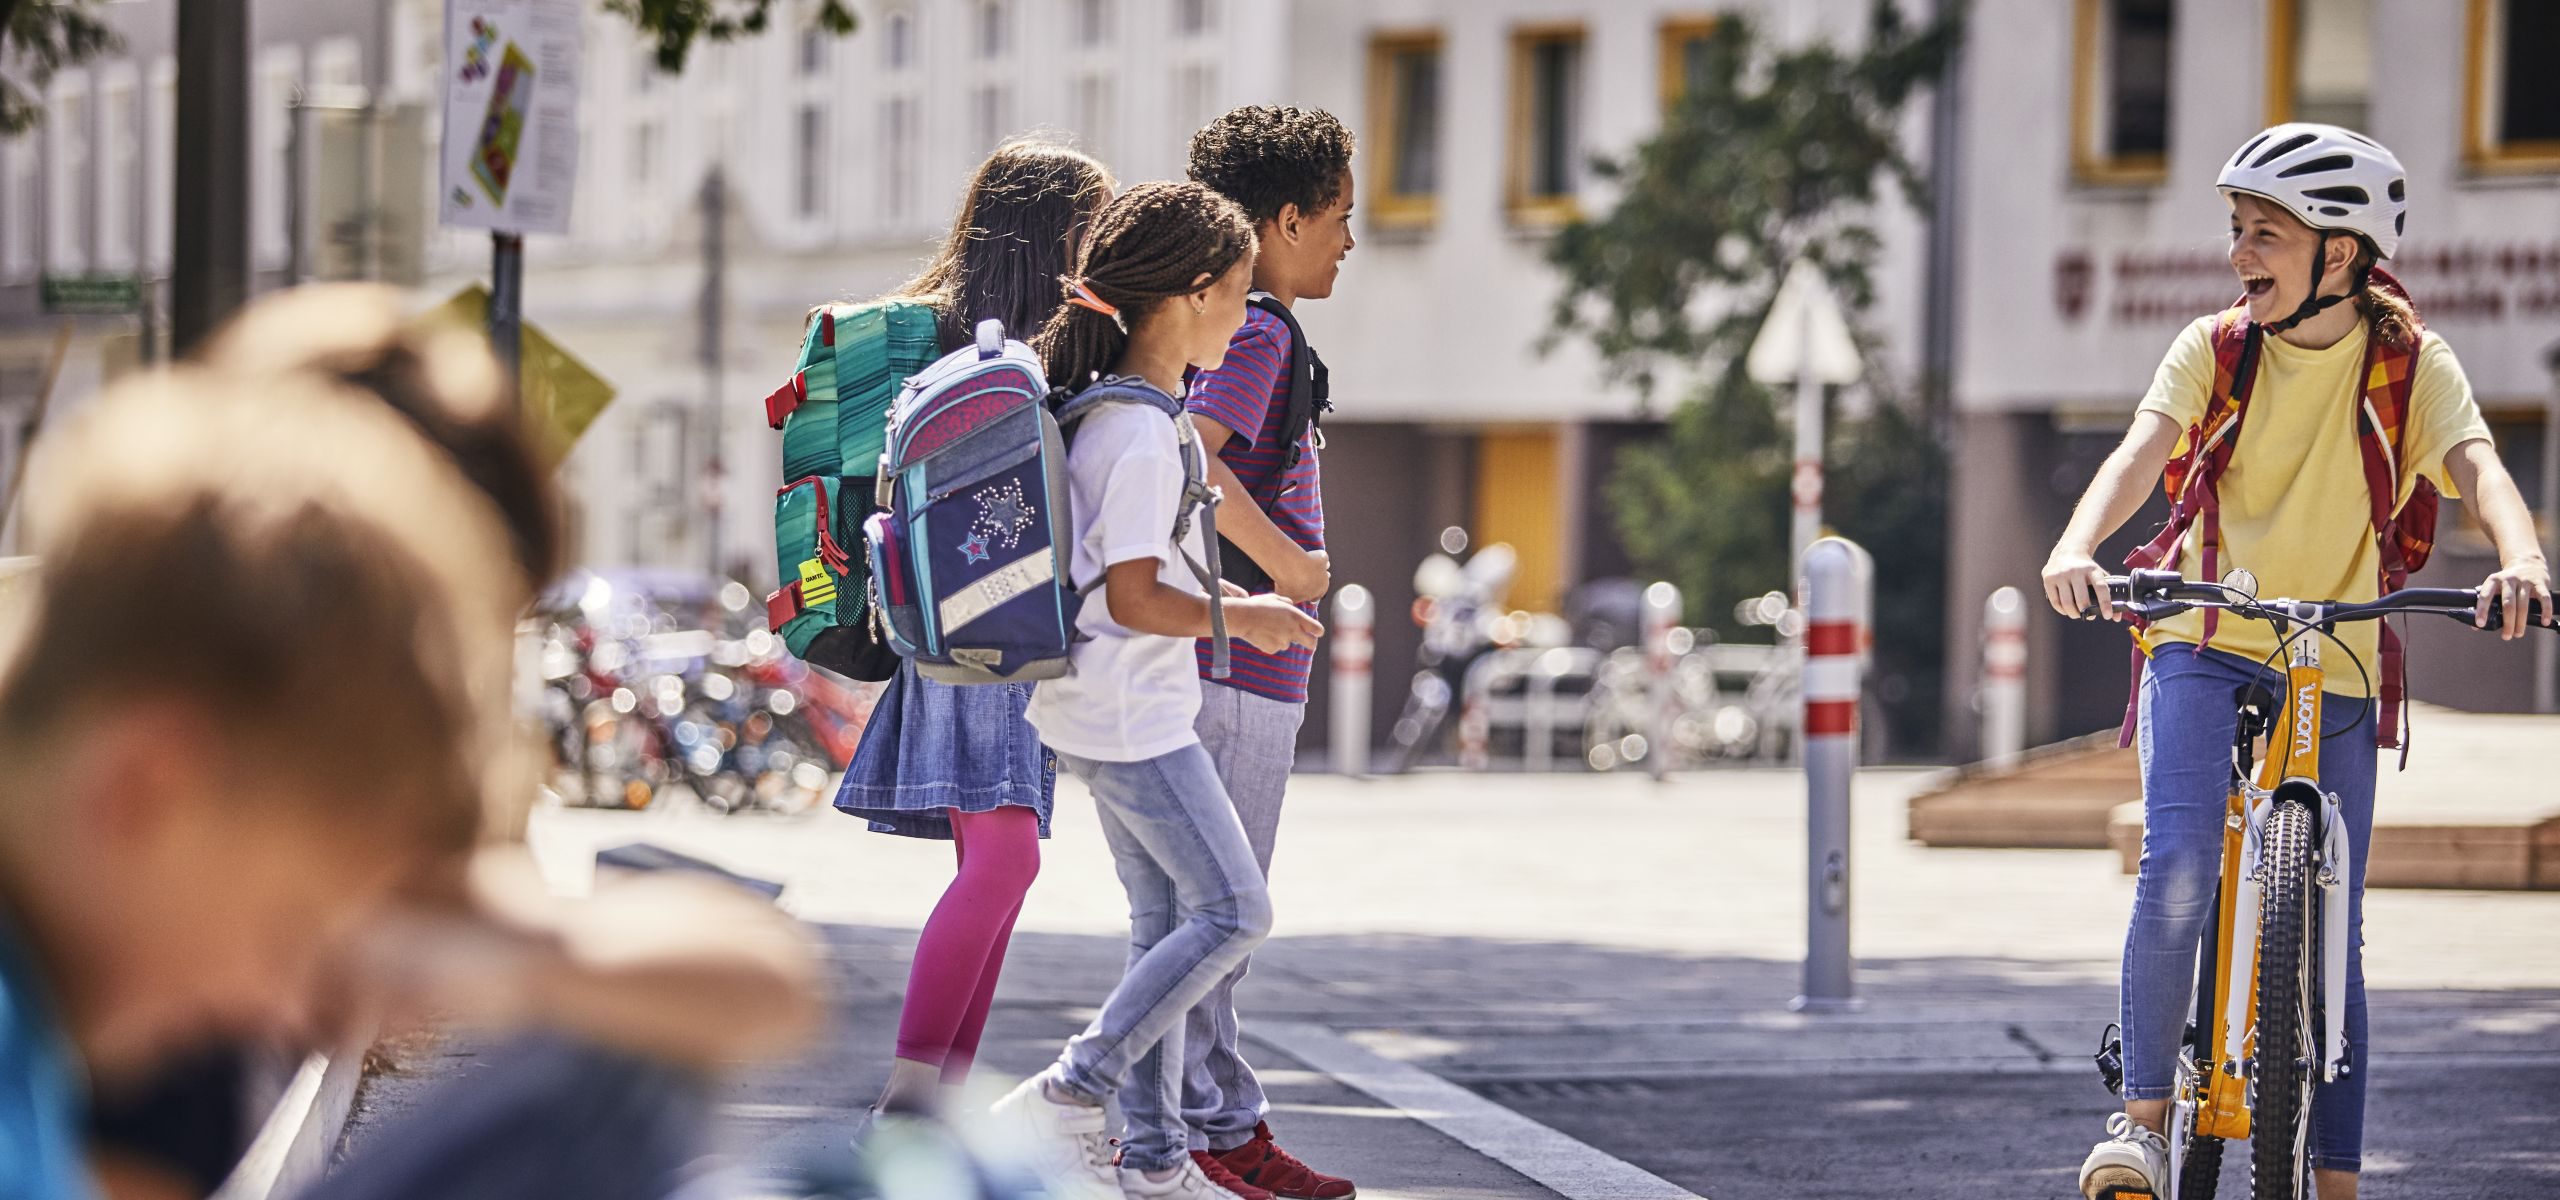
{"x":1197,"y":910}
{"x":1253,"y":740}
{"x":2189,"y":720}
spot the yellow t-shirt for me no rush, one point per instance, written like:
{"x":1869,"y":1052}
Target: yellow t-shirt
{"x":2294,"y":507}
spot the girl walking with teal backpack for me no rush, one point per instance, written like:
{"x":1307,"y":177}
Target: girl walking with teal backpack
{"x":961,"y":763}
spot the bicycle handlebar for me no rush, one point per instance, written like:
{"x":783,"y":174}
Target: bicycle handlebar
{"x":2155,"y":595}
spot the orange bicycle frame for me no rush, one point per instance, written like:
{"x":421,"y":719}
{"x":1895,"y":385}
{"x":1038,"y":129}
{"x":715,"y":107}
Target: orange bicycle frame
{"x":2292,"y":754}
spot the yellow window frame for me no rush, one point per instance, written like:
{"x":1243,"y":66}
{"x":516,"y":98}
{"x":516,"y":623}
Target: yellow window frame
{"x":2089,"y":162}
{"x":1527,"y":207}
{"x":1678,"y":34}
{"x":1387,"y":207}
{"x":2482,"y":152}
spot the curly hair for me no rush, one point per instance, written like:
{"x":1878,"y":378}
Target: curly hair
{"x":1266,"y":157}
{"x":1157,"y":241}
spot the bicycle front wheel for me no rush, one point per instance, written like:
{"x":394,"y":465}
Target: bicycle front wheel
{"x":2287,"y":1056}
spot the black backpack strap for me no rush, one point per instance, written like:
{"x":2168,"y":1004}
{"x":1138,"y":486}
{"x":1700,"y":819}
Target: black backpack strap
{"x":1310,"y":383}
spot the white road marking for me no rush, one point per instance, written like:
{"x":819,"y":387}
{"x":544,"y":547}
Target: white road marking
{"x":1571,"y":1168}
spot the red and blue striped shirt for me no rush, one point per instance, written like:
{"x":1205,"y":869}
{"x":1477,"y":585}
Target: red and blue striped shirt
{"x":1249,"y":394}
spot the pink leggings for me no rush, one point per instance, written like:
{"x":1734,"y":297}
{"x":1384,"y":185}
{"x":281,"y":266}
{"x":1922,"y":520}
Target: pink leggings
{"x":961,"y":951}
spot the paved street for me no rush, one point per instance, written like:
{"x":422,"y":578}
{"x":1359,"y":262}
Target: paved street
{"x":1611,"y":960}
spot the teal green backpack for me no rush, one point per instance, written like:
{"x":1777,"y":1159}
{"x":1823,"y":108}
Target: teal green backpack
{"x":834,"y":414}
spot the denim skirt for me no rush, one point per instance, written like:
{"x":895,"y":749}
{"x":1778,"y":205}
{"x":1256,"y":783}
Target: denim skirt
{"x":932,"y":747}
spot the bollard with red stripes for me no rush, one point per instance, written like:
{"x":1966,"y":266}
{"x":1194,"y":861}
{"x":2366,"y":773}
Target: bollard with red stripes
{"x":1833,"y":597}
{"x":1664,"y":642}
{"x":2004,"y":677}
{"x":1354,"y":618}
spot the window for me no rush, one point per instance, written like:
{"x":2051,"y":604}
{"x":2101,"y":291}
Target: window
{"x":813,"y":52}
{"x":2320,"y":62}
{"x":119,"y":130}
{"x":1195,"y":97}
{"x":1404,"y":110}
{"x":1093,"y":22}
{"x":644,"y":73}
{"x":644,"y":153}
{"x":1546,"y":123}
{"x":989,"y":107}
{"x":1096,"y":112}
{"x":1192,"y":18}
{"x":992,"y":16}
{"x":2120,"y":98}
{"x":2511,"y":106}
{"x":898,"y":148}
{"x":1684,"y":55}
{"x":160,"y":165}
{"x":66,"y":131}
{"x":813,"y":161}
{"x":279,"y":78}
{"x":19,"y":208}
{"x":898,"y":43}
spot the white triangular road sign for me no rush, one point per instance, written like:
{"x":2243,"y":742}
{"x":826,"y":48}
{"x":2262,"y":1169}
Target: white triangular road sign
{"x":1805,"y":332}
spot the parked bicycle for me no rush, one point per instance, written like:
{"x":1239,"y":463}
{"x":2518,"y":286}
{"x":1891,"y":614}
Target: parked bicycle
{"x":2270,"y":998}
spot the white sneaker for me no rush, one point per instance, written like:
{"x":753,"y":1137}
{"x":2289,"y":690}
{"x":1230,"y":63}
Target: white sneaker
{"x":1188,"y":1182}
{"x":2132,"y":1164}
{"x":1067,"y":1145}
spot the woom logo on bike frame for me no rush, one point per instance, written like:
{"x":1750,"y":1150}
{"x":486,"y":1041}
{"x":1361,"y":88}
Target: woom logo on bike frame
{"x":2306,"y":719}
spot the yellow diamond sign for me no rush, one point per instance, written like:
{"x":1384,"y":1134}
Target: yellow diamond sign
{"x":561,"y":395}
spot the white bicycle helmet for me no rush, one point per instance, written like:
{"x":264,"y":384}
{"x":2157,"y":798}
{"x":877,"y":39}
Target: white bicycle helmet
{"x":2331,"y":179}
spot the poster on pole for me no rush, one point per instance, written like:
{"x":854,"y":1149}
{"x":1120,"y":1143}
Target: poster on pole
{"x":510,"y":114}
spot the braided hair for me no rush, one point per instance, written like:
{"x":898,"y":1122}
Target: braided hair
{"x":1156,"y":242}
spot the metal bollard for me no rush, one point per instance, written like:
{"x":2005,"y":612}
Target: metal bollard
{"x":1661,"y":623}
{"x":1834,"y":645}
{"x":1354,"y":616}
{"x":2004,"y":677}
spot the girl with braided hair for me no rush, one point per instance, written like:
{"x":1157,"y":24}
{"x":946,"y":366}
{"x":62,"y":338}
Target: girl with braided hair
{"x":1158,"y":290}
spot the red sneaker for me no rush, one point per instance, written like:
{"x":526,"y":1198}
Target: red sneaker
{"x":1263,"y":1164}
{"x":1216,"y":1170}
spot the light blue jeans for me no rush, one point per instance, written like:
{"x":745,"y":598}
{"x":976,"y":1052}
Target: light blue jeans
{"x":2189,"y":720}
{"x":1197,"y":910}
{"x":1253,"y":740}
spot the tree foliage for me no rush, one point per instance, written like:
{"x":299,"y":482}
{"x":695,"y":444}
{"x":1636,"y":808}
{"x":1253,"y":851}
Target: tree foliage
{"x":678,"y":24}
{"x":1772,"y":154}
{"x":38,"y":38}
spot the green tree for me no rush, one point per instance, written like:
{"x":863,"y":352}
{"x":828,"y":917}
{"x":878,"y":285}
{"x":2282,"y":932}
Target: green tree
{"x":678,"y":24}
{"x":1771,"y":155}
{"x":38,"y":38}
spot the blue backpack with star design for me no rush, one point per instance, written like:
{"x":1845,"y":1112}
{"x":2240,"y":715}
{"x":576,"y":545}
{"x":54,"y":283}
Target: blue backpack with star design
{"x":965,"y":549}
{"x":968,"y":552}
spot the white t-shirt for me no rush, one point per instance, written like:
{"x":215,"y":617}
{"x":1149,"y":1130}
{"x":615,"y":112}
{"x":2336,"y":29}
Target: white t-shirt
{"x":1132,"y":696}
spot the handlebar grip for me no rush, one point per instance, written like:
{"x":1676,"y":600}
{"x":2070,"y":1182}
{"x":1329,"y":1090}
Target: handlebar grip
{"x":2537,"y":615}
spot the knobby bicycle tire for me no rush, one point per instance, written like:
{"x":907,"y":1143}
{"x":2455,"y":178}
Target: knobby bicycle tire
{"x":2203,"y":1170}
{"x":2284,"y":1060}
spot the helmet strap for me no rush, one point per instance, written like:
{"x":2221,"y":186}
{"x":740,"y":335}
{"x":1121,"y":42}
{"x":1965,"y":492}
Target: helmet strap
{"x":2316,"y":304}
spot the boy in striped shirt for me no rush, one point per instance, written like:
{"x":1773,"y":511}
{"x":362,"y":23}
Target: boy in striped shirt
{"x":1291,"y":170}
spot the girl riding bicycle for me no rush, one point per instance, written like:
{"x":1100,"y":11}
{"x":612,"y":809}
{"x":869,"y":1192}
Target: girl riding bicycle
{"x":2315,"y":209}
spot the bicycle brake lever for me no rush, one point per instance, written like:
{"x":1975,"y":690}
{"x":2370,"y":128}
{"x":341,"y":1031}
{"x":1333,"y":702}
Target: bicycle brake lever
{"x":2154,"y":611}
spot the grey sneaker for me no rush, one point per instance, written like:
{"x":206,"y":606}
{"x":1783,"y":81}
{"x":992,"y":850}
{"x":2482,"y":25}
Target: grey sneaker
{"x":2132,"y":1164}
{"x":1067,"y":1145}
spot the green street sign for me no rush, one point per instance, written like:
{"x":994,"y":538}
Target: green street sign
{"x":91,"y":295}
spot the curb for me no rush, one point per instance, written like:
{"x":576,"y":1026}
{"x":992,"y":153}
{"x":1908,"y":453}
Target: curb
{"x":293,"y":1147}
